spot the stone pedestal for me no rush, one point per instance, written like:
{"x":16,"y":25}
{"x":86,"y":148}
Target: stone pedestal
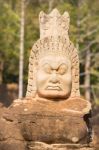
{"x":51,"y":124}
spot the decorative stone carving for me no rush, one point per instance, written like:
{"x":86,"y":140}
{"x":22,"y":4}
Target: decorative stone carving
{"x":52,"y":115}
{"x":54,"y":40}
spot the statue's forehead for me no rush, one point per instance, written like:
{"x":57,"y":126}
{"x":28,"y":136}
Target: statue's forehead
{"x":54,"y":60}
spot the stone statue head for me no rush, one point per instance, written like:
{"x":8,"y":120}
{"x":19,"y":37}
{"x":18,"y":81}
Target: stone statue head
{"x":53,"y":63}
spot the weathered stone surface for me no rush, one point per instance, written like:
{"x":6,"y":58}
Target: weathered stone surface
{"x":46,"y":121}
{"x":12,"y":144}
{"x":9,"y":130}
{"x":53,"y":128}
{"x":39,"y":121}
{"x":43,"y":146}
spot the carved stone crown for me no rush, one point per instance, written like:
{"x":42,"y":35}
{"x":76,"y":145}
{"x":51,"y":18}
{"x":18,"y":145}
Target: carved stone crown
{"x":54,"y":24}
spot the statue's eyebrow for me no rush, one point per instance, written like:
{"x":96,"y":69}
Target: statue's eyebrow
{"x":63,"y":63}
{"x":45,"y":61}
{"x":45,"y":64}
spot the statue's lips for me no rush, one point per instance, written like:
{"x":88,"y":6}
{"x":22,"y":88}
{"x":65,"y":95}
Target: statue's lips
{"x":53,"y":88}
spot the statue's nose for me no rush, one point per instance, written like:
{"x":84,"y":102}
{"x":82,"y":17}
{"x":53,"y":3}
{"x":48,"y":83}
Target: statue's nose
{"x":54,"y":78}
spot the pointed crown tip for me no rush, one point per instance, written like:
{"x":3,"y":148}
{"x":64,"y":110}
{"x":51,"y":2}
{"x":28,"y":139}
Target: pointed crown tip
{"x":54,"y":11}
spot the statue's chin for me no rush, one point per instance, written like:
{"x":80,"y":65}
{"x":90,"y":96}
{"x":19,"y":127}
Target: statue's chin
{"x":54,"y":94}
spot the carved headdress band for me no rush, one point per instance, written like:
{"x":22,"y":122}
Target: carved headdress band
{"x":54,"y":40}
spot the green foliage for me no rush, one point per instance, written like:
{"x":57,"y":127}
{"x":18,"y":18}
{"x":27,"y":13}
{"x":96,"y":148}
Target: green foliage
{"x":9,"y":39}
{"x":88,"y":33}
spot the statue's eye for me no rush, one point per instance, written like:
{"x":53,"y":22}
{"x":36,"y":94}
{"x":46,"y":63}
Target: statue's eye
{"x":62,"y":69}
{"x":47,"y":68}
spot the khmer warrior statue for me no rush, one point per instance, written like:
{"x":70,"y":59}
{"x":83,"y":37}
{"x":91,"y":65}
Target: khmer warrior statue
{"x":52,"y":115}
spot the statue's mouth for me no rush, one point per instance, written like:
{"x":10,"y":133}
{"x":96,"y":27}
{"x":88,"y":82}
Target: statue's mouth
{"x":54,"y":88}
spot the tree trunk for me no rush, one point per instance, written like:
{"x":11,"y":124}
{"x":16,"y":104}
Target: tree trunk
{"x":21,"y":50}
{"x":51,"y":3}
{"x":87,"y":75}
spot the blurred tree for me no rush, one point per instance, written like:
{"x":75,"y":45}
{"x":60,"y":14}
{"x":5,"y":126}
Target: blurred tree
{"x":21,"y":60}
{"x":9,"y":28}
{"x":88,"y":37}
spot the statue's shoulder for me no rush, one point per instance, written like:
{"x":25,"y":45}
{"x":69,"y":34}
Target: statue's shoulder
{"x":21,"y":105}
{"x":78,"y":104}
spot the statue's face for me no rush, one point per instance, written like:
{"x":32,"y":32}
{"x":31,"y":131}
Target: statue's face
{"x":54,"y":77}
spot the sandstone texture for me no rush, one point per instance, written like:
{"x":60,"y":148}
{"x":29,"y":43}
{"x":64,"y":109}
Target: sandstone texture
{"x":43,"y":124}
